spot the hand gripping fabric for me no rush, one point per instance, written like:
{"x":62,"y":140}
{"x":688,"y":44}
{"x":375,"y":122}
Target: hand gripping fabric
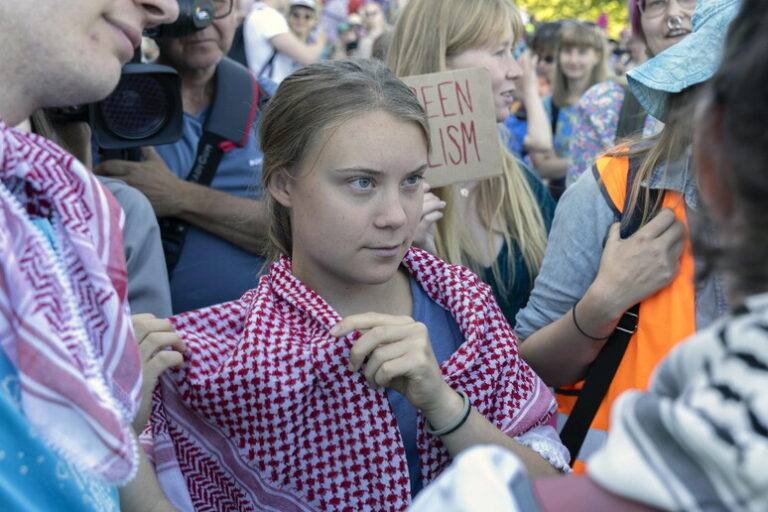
{"x":266,"y":413}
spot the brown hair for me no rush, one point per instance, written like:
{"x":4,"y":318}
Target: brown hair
{"x":544,"y":39}
{"x":309,"y":102}
{"x":670,"y":145}
{"x":579,"y":35}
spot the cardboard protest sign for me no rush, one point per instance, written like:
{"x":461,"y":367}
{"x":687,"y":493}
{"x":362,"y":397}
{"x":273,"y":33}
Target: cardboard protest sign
{"x":462,"y":120}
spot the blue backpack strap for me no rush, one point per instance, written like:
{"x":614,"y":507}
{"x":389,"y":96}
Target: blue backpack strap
{"x":235,"y":104}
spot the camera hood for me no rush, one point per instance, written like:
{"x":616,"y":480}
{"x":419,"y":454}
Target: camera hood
{"x":194,"y":15}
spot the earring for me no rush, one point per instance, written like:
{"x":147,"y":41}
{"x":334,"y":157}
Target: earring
{"x":674,"y":22}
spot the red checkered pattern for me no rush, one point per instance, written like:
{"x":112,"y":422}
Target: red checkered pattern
{"x":265,"y":375}
{"x":64,"y":320}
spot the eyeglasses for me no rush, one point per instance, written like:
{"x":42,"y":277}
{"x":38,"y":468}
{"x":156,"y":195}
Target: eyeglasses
{"x":221,"y":8}
{"x":307,"y":16}
{"x":549,"y":59}
{"x":656,"y":8}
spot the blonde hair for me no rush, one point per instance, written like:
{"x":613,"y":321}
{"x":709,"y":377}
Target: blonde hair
{"x":576,"y":34}
{"x":426,"y":35}
{"x":657,"y":151}
{"x":309,"y":102}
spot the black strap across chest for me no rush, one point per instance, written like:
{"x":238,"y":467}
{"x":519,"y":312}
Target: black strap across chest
{"x":237,"y":98}
{"x":603,"y":369}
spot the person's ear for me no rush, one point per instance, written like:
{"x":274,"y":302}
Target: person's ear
{"x":281,"y":187}
{"x":710,"y":161}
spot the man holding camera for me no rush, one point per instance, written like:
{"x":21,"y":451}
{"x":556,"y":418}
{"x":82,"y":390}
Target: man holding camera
{"x":217,"y":259}
{"x":69,"y":366}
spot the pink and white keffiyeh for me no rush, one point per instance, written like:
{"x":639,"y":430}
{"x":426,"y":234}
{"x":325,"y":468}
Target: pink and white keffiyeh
{"x":265,"y":414}
{"x":64,"y":320}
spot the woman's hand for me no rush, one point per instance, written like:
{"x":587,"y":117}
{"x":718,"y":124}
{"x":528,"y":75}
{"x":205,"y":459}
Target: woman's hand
{"x":431,"y":212}
{"x":395,"y":352}
{"x":538,"y":137}
{"x":160,"y":348}
{"x":634,"y":268}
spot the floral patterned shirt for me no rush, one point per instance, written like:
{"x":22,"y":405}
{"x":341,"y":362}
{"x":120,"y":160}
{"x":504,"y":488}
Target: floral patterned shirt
{"x":566,"y":121}
{"x":595,"y":121}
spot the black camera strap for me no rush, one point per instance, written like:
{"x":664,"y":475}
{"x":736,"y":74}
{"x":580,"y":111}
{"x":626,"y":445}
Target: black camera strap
{"x":236,"y":101}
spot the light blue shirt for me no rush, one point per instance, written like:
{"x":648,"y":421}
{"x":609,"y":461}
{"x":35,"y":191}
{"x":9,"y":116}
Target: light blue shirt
{"x":212,"y":270}
{"x":446,"y":338}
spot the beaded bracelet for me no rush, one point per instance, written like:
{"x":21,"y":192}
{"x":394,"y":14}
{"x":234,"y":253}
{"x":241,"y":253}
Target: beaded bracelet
{"x":573,"y":314}
{"x":458,"y":422}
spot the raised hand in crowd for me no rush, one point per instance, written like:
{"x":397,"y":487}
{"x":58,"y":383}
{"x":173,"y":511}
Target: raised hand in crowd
{"x":431,"y":212}
{"x":539,"y":134}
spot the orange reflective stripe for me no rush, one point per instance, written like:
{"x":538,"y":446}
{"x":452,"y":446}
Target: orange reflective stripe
{"x":666,"y":317}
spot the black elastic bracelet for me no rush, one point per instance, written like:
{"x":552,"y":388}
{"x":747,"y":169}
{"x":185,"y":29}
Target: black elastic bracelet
{"x":457,"y":423}
{"x":573,"y":315}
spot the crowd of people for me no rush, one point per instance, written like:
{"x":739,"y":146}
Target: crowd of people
{"x":277,"y":311}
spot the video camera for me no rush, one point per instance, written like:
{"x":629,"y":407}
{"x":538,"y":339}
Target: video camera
{"x":145,"y":109}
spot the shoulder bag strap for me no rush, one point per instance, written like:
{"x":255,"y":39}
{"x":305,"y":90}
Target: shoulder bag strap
{"x":596,"y":384}
{"x":554,"y":114}
{"x":555,"y":186}
{"x":269,"y":65}
{"x":602,"y":370}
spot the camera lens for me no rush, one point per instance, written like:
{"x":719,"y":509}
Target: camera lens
{"x":137,"y":108}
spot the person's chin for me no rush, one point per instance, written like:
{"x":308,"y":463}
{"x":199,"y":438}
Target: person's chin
{"x":575,"y":75}
{"x":379,"y":276}
{"x":94,"y":86}
{"x":502,"y":113}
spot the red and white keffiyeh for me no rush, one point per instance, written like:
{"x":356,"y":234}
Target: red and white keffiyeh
{"x":265,"y":415}
{"x":64,"y":320}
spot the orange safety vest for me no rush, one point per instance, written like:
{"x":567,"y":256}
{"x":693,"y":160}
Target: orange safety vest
{"x":665,"y":318}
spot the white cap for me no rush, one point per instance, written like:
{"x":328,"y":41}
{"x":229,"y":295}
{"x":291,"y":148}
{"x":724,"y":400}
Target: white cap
{"x":310,"y":4}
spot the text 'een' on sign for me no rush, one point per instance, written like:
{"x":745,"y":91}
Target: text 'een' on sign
{"x":462,"y":121}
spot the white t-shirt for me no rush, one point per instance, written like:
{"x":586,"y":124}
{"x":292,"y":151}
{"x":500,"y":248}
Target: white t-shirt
{"x":283,"y":66}
{"x":262,"y":24}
